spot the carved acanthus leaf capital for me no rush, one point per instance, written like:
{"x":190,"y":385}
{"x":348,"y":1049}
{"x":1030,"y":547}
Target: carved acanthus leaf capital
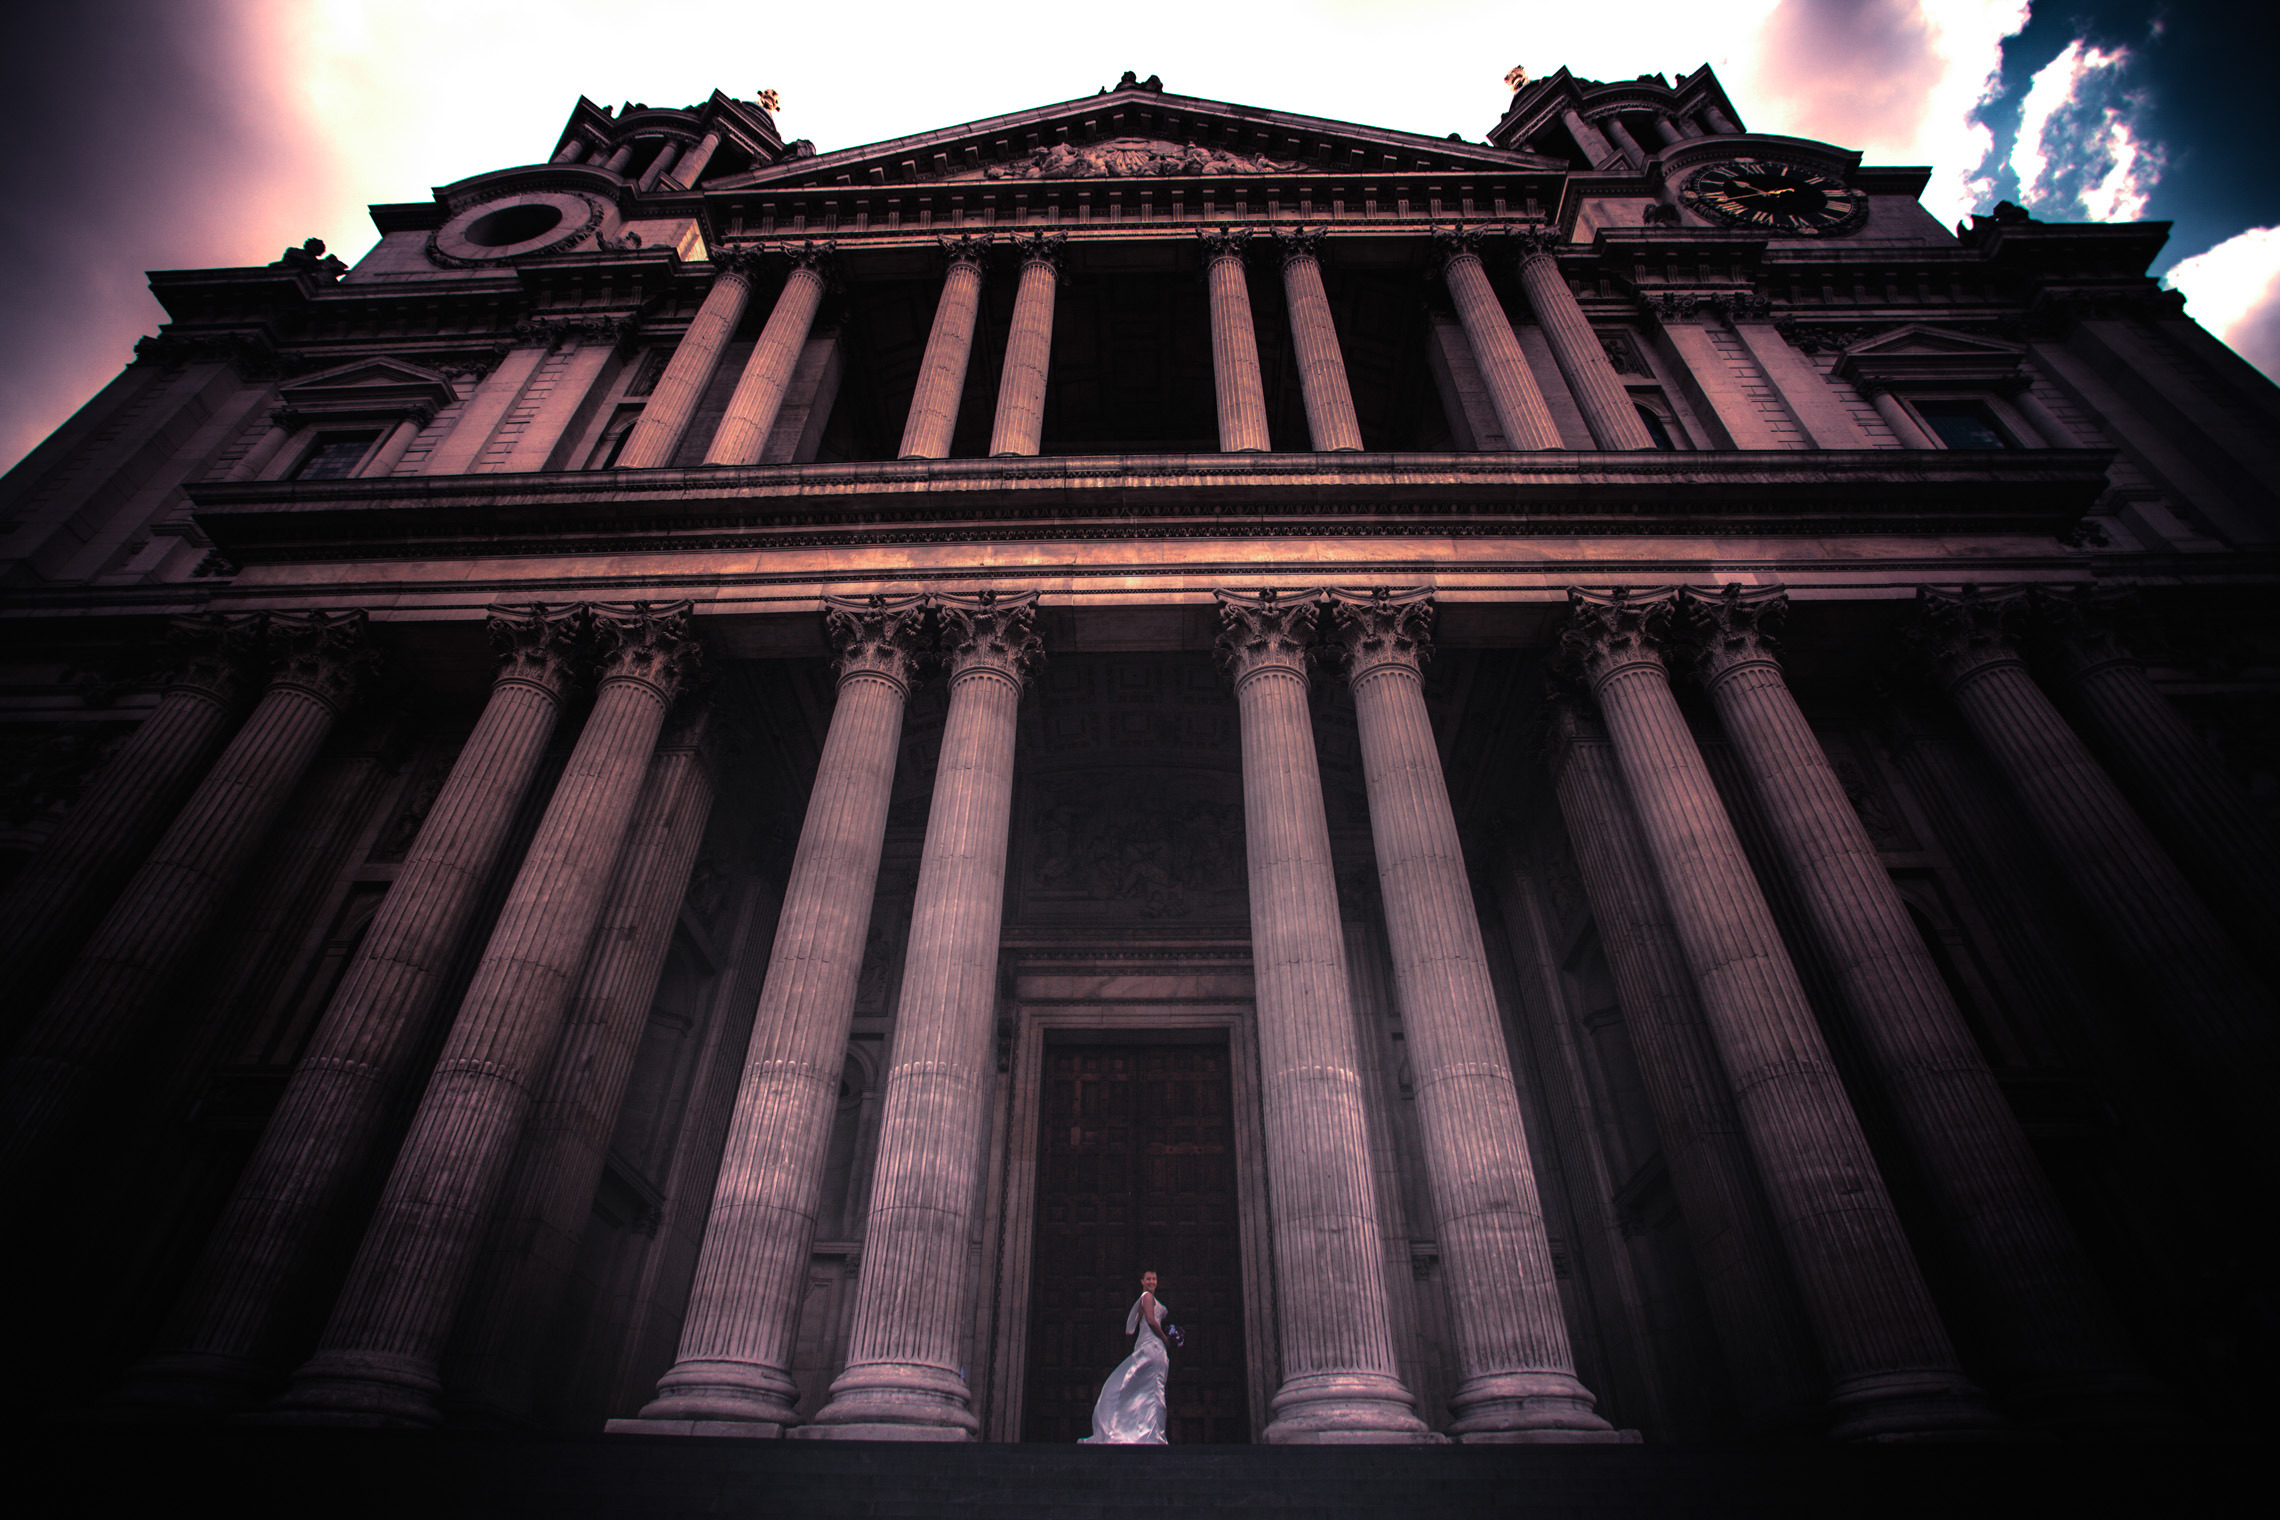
{"x":2083,"y":628}
{"x":740,"y":259}
{"x":819,"y":257}
{"x":329,"y":655}
{"x":1295,"y":243}
{"x":217,"y":655}
{"x":990,"y":631}
{"x":1460,"y":241}
{"x":1042,"y":248}
{"x":689,"y":722}
{"x":539,"y":646}
{"x":1223,"y":243}
{"x":1733,"y":628}
{"x":1380,"y":627}
{"x":966,"y":248}
{"x":1961,"y":634}
{"x":647,"y":642}
{"x":878,"y":636}
{"x":1529,"y":244}
{"x":1266,"y":630}
{"x":1608,"y":632}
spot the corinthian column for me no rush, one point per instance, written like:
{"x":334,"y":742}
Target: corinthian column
{"x":220,"y":1346}
{"x":737,"y":1338}
{"x":949,"y":346}
{"x":1894,"y":1373}
{"x":549,"y":1194}
{"x":1737,"y":1247}
{"x":759,"y":394}
{"x":665,"y":416}
{"x":1020,"y":423}
{"x":1582,"y":358}
{"x":2184,"y":964}
{"x":903,"y":1377}
{"x":1339,"y":1382}
{"x":119,"y":984}
{"x":1234,"y":344}
{"x":45,"y":912}
{"x":2066,"y":1353}
{"x":1330,"y":420}
{"x":1512,"y":389}
{"x":1517,"y":1373}
{"x":2206,"y":815}
{"x":376,"y":1364}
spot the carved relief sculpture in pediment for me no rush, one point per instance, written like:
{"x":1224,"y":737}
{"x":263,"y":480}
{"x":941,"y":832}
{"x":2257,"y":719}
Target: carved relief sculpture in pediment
{"x":1135,"y":158}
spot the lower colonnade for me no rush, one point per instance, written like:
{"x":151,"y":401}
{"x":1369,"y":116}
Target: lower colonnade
{"x":455,"y":1112}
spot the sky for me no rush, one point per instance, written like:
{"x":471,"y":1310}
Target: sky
{"x":168,"y":134}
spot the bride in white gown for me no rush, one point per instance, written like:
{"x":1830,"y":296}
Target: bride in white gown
{"x":1130,"y":1409}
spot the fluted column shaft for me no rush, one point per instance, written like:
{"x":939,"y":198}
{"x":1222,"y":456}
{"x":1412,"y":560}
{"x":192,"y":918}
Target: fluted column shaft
{"x":738,"y":1337}
{"x":2065,"y":1351}
{"x":220,"y":1343}
{"x":532,"y":1243}
{"x":1019,"y":427}
{"x":2206,"y":814}
{"x":119,"y":983}
{"x":2149,"y":915}
{"x":376,"y":1363}
{"x":1234,"y":345}
{"x":1516,"y":1370}
{"x":1339,"y":1377}
{"x":1575,"y":345}
{"x":933,"y":419}
{"x":1512,"y":388}
{"x":1889,"y":1358}
{"x":905,"y":1350}
{"x":1737,"y":1247}
{"x":1330,"y":420}
{"x":665,"y":416}
{"x":46,"y":910}
{"x":759,"y":394}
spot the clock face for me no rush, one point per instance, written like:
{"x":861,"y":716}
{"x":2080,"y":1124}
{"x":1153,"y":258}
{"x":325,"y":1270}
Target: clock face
{"x":1751,"y":192}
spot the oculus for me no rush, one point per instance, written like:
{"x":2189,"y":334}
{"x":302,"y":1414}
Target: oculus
{"x":513,"y":226}
{"x":1756,"y":192}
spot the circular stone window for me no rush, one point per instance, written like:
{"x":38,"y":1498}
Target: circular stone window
{"x":536,"y":221}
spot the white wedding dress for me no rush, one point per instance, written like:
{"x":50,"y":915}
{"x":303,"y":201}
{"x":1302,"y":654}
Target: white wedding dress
{"x":1130,"y":1409}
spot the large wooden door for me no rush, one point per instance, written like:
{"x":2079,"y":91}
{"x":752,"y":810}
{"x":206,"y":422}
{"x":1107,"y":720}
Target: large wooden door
{"x":1136,"y":1170}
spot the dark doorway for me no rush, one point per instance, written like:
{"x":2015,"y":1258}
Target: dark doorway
{"x":1136,"y":1170}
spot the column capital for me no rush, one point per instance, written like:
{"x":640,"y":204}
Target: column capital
{"x":1528,"y":244}
{"x":738,"y":260}
{"x":1733,"y":628}
{"x":819,"y":257}
{"x":326,"y":654}
{"x":1460,"y":241}
{"x":217,"y":655}
{"x":1377,"y":628}
{"x":538,"y":646}
{"x":1565,"y":721}
{"x":1045,"y":248}
{"x":880,"y":637}
{"x":2081,"y":627}
{"x":990,"y":632}
{"x":1266,"y":631}
{"x":1295,"y":243}
{"x":1223,"y":243}
{"x":1961,"y":635}
{"x":647,"y":643}
{"x":1608,"y":632}
{"x":966,"y":248}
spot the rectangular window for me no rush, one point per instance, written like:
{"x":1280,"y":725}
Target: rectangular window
{"x":335,"y":456}
{"x":1964,"y":424}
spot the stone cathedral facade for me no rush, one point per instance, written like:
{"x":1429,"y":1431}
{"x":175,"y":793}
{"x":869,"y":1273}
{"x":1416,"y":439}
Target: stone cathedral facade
{"x":1596,"y":785}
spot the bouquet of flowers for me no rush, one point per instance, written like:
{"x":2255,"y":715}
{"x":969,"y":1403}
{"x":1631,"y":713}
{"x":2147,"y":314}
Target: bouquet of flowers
{"x":1174,"y":1335}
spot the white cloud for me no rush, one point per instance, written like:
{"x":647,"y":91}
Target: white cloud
{"x":2079,"y":153}
{"x":2234,"y":291}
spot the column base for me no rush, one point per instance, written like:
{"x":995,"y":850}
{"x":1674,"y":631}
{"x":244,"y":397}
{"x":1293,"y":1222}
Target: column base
{"x":1912,"y":1406}
{"x":895,"y":1401}
{"x":1607,"y":1437}
{"x":750,"y":1430}
{"x":1346,"y":1409}
{"x":717,"y":1391}
{"x":1528,"y":1407}
{"x":360,"y":1388}
{"x":190,"y":1385}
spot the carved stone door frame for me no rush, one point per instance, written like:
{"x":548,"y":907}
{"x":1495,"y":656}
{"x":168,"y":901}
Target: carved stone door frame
{"x":1012,"y":1223}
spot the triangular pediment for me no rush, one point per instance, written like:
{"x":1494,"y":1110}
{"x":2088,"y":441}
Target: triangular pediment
{"x":378,"y":383}
{"x":1916,"y":338}
{"x":1135,"y":132}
